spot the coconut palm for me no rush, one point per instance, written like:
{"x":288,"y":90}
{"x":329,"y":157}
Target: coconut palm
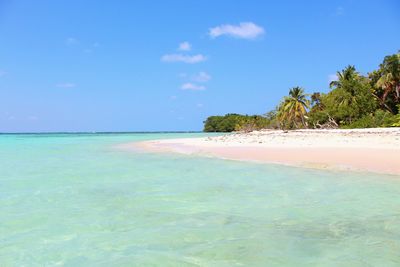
{"x":293,"y":109}
{"x":316,"y":100}
{"x":346,"y":88}
{"x":348,"y":74}
{"x":390,"y":79}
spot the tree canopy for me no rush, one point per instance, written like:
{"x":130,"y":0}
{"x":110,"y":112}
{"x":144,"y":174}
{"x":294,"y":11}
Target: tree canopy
{"x":293,"y":109}
{"x":354,"y":101}
{"x":235,"y":122}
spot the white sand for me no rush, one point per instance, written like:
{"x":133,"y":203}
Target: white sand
{"x":374,"y":150}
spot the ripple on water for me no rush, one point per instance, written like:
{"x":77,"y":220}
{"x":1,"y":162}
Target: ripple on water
{"x":78,"y":201}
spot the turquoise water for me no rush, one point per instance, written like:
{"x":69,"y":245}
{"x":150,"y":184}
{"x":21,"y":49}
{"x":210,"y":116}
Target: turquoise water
{"x":78,"y":200}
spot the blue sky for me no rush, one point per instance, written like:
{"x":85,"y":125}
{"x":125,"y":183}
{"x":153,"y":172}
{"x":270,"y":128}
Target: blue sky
{"x":167,"y":65}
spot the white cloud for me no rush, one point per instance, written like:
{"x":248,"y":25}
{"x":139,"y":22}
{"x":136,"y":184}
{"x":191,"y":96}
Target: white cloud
{"x":192,"y":87}
{"x":72,"y":41}
{"x":332,"y":77}
{"x":201,"y":77}
{"x":3,"y":73}
{"x":66,"y":85}
{"x":185,"y":46}
{"x":173,"y":97}
{"x":199,"y":105}
{"x":183,"y":58}
{"x":245,"y":30}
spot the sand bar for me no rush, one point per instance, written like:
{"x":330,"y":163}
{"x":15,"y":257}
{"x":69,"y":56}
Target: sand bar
{"x":372,"y":150}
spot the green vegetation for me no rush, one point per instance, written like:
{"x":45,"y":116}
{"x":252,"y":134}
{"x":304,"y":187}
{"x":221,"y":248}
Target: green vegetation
{"x":350,"y":99}
{"x":354,"y":101}
{"x":293,"y":109}
{"x":235,"y":122}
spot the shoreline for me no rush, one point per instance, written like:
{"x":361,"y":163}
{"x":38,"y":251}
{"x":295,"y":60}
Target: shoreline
{"x":374,"y":150}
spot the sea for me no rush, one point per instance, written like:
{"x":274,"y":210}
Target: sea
{"x":82,"y":199}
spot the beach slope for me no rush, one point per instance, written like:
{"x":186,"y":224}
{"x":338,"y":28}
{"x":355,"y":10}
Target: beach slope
{"x":372,"y":150}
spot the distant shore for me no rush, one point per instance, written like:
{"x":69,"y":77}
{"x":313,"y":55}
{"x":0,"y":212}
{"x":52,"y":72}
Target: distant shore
{"x":373,"y":150}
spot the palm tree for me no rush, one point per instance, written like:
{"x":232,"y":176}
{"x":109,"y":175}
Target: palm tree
{"x":390,"y":79}
{"x":293,"y":109}
{"x":348,"y":74}
{"x":345,"y":87}
{"x":316,"y":100}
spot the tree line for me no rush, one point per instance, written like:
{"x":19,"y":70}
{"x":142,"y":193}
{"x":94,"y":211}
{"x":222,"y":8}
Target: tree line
{"x":235,"y":122}
{"x":354,"y":101}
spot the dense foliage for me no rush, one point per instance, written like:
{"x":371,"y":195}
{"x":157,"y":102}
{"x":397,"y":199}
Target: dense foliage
{"x":293,"y":108}
{"x":235,"y":122}
{"x":350,"y":99}
{"x":358,"y":101}
{"x":354,"y":101}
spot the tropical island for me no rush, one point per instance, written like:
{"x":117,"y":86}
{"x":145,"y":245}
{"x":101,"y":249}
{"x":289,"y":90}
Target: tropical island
{"x":353,"y":126}
{"x":354,"y":101}
{"x":105,"y":159}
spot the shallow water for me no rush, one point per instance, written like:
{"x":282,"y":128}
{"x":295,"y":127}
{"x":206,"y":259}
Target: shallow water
{"x":79,"y":200}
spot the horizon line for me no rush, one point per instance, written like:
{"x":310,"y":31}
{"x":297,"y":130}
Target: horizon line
{"x":100,"y":132}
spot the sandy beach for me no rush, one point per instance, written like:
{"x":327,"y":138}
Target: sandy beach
{"x":372,"y":150}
